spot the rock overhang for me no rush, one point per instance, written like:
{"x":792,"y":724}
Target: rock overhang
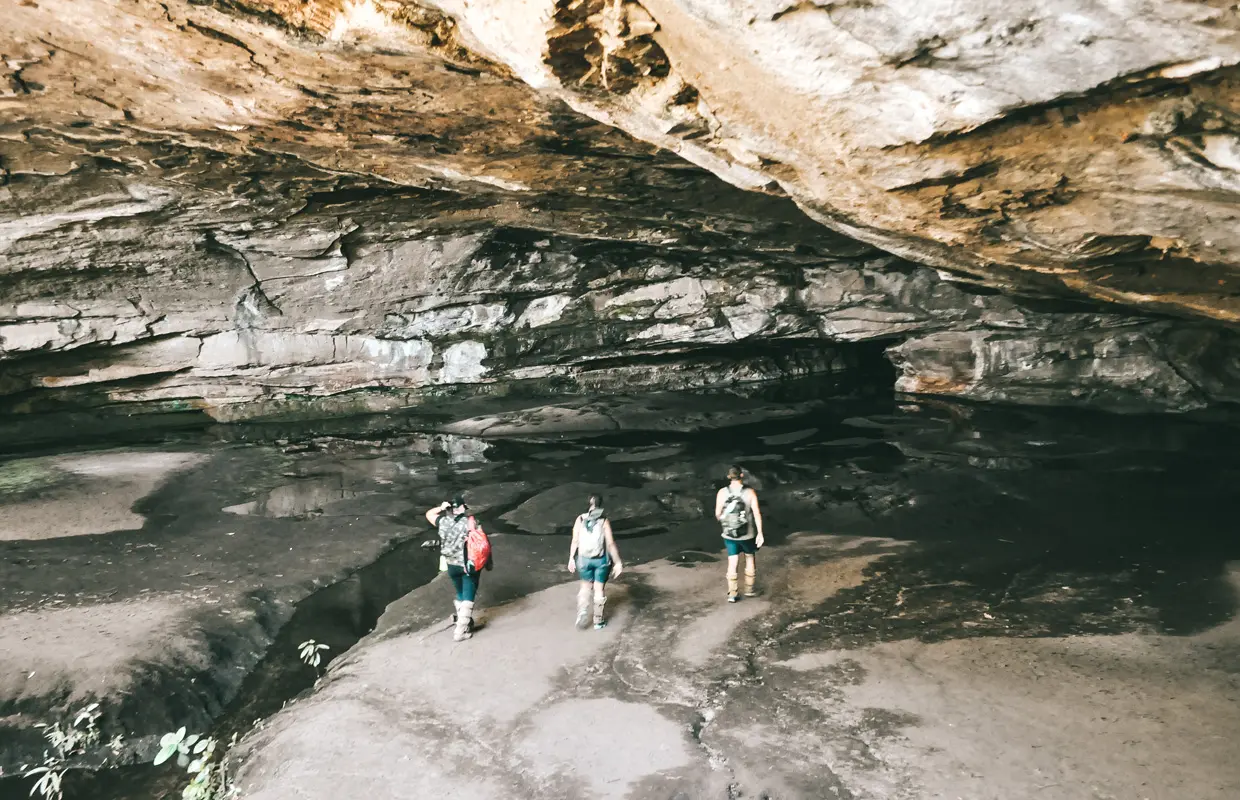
{"x":227,"y":204}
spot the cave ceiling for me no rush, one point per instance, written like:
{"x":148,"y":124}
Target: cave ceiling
{"x":230,"y":204}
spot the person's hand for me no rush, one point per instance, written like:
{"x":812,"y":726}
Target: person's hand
{"x":572,"y":565}
{"x":617,"y":569}
{"x":445,"y":505}
{"x":759,"y":541}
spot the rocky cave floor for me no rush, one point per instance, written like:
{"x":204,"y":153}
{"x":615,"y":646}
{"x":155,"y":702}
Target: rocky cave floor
{"x":414,"y":217}
{"x":957,"y":601}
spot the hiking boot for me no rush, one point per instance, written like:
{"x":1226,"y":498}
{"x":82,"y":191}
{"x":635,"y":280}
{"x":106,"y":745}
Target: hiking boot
{"x":733,"y":598}
{"x":602,"y":623}
{"x":583,"y":618}
{"x":464,"y":623}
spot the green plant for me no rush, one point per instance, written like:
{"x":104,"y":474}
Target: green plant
{"x":200,"y":757}
{"x":310,"y":652}
{"x":69,"y":745}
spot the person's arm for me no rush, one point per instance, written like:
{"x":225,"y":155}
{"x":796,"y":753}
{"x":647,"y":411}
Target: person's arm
{"x":617,"y":566}
{"x":757,"y":516}
{"x":572,"y":548}
{"x":432,"y":515}
{"x":719,"y":498}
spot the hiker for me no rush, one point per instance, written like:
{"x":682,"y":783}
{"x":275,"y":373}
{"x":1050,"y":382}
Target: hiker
{"x":594,"y":556}
{"x":457,"y":532}
{"x":736,"y":508}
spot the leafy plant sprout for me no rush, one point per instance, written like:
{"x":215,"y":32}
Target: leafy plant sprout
{"x":311,"y":651}
{"x":197,"y":754}
{"x":69,"y":743}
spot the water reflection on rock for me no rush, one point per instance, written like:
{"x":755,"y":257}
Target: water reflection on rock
{"x":1021,"y":523}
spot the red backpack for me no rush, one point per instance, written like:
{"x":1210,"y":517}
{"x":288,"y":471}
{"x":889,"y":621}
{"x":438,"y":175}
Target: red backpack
{"x":477,"y":547}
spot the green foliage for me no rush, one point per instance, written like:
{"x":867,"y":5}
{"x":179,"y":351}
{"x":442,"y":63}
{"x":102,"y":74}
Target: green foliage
{"x":200,"y":756}
{"x":69,"y":745}
{"x":310,"y":652}
{"x":204,"y":760}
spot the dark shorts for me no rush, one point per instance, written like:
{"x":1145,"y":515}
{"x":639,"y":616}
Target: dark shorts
{"x":738,"y":546}
{"x":597,"y":570}
{"x":465,"y":582}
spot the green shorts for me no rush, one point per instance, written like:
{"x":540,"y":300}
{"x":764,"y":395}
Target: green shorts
{"x":738,"y":546}
{"x":595,"y":570}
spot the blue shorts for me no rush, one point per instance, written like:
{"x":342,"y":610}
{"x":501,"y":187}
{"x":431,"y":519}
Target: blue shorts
{"x":738,"y":546}
{"x":597,"y":570}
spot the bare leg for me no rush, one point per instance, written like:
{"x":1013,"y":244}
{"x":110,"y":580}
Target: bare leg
{"x":732,"y":561}
{"x":751,"y":573}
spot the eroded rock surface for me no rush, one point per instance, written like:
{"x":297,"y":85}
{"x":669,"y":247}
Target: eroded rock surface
{"x":128,"y":582}
{"x":1026,"y":523}
{"x":1087,"y":147}
{"x":683,"y":695}
{"x":262,"y":207}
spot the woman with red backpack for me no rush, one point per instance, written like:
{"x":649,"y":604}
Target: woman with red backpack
{"x":464,"y":551}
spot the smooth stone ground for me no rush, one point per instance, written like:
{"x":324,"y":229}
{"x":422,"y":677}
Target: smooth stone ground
{"x":1006,"y":509}
{"x":127,"y":578}
{"x":682,"y":696}
{"x":92,"y":651}
{"x":114,"y":481}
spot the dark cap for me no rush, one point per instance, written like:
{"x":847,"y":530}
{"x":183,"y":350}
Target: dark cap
{"x":458,"y":501}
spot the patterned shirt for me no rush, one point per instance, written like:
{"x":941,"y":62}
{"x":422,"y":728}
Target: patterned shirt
{"x":452,"y":533}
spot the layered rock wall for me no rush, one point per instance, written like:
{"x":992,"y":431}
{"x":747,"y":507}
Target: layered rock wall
{"x":1085,"y":148}
{"x":248,"y":207}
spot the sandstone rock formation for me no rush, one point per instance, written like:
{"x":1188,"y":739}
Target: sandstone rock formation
{"x":1081,"y":146}
{"x":265,"y":206}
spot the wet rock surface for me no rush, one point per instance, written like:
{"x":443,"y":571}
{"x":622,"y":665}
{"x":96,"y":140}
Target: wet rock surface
{"x":180,"y":598}
{"x":936,"y":573}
